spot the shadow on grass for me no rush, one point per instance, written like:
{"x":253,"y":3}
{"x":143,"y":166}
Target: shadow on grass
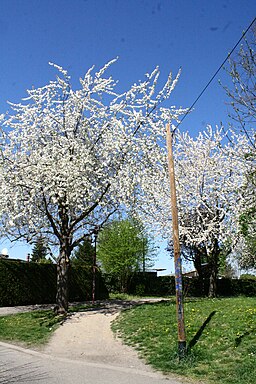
{"x":197,"y":336}
{"x":239,"y":339}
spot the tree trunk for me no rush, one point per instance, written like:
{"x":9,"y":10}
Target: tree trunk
{"x":198,"y":257}
{"x":213,"y":284}
{"x":214,"y":269}
{"x":62,"y":282}
{"x":198,"y":266}
{"x":123,"y":284}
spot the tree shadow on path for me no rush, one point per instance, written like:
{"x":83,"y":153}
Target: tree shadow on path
{"x":108,"y":307}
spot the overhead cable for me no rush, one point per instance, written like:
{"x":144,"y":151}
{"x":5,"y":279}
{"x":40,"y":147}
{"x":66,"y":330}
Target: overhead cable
{"x":215,"y":74}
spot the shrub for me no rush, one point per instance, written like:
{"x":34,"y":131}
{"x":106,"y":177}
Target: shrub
{"x":149,"y":284}
{"x":24,"y":283}
{"x":248,"y":276}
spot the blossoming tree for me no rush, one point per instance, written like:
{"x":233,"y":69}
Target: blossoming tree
{"x":70,"y":158}
{"x":208,"y":177}
{"x":209,"y":197}
{"x":241,"y":94}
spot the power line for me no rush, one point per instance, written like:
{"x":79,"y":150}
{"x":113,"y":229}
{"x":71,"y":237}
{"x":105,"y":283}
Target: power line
{"x":209,"y":82}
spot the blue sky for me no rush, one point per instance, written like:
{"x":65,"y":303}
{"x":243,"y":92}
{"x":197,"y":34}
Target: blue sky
{"x":193,"y":34}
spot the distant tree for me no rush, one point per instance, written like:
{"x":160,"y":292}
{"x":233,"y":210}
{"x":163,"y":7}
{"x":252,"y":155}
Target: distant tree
{"x":123,"y":249}
{"x":84,"y":253}
{"x":242,"y":96}
{"x":242,"y":71}
{"x":39,"y":251}
{"x":226,"y":269}
{"x":247,"y":257}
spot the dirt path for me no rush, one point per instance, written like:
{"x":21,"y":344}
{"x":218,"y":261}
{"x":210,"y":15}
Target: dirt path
{"x":88,"y":336}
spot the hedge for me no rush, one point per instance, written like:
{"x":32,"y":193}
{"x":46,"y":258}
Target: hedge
{"x":24,"y":283}
{"x":150,"y":284}
{"x":225,"y":287}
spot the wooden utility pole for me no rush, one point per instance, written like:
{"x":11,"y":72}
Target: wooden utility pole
{"x":176,"y":246}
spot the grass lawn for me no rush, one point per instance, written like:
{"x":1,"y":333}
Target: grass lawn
{"x":34,"y":328}
{"x":30,"y":328}
{"x":224,"y":351}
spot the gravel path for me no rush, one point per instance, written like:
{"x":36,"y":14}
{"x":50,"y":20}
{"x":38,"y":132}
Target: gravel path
{"x":23,"y":308}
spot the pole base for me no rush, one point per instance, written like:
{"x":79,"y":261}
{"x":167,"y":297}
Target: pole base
{"x":182,"y":349}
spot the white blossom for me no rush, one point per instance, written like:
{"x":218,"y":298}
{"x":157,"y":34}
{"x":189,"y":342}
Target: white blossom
{"x":71,"y":157}
{"x":209,"y":178}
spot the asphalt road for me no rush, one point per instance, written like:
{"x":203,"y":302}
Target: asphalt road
{"x":19,"y":365}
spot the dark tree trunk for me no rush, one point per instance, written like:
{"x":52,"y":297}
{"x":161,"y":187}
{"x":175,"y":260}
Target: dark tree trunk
{"x":123,"y":284}
{"x":199,"y":257}
{"x":198,"y":264}
{"x":214,"y":269}
{"x":213,"y":283}
{"x":62,"y":281}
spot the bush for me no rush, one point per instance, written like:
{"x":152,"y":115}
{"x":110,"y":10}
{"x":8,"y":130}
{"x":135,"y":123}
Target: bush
{"x":149,"y":284}
{"x":248,"y":276}
{"x":244,"y":287}
{"x":144,"y":283}
{"x":164,"y":286}
{"x":80,"y":284}
{"x":24,"y":283}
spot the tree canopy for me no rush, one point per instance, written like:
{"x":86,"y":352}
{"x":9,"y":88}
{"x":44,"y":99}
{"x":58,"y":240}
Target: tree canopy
{"x":241,"y":93}
{"x":247,"y":256}
{"x":242,"y":98}
{"x":209,"y":189}
{"x":70,"y":158}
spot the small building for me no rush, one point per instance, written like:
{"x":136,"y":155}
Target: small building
{"x":190,"y":274}
{"x":194,"y":273}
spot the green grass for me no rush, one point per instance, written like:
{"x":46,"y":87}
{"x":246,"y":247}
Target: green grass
{"x":225,"y":353}
{"x":30,"y":328}
{"x":122,"y":296}
{"x":34,"y":328}
{"x":127,"y":297}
